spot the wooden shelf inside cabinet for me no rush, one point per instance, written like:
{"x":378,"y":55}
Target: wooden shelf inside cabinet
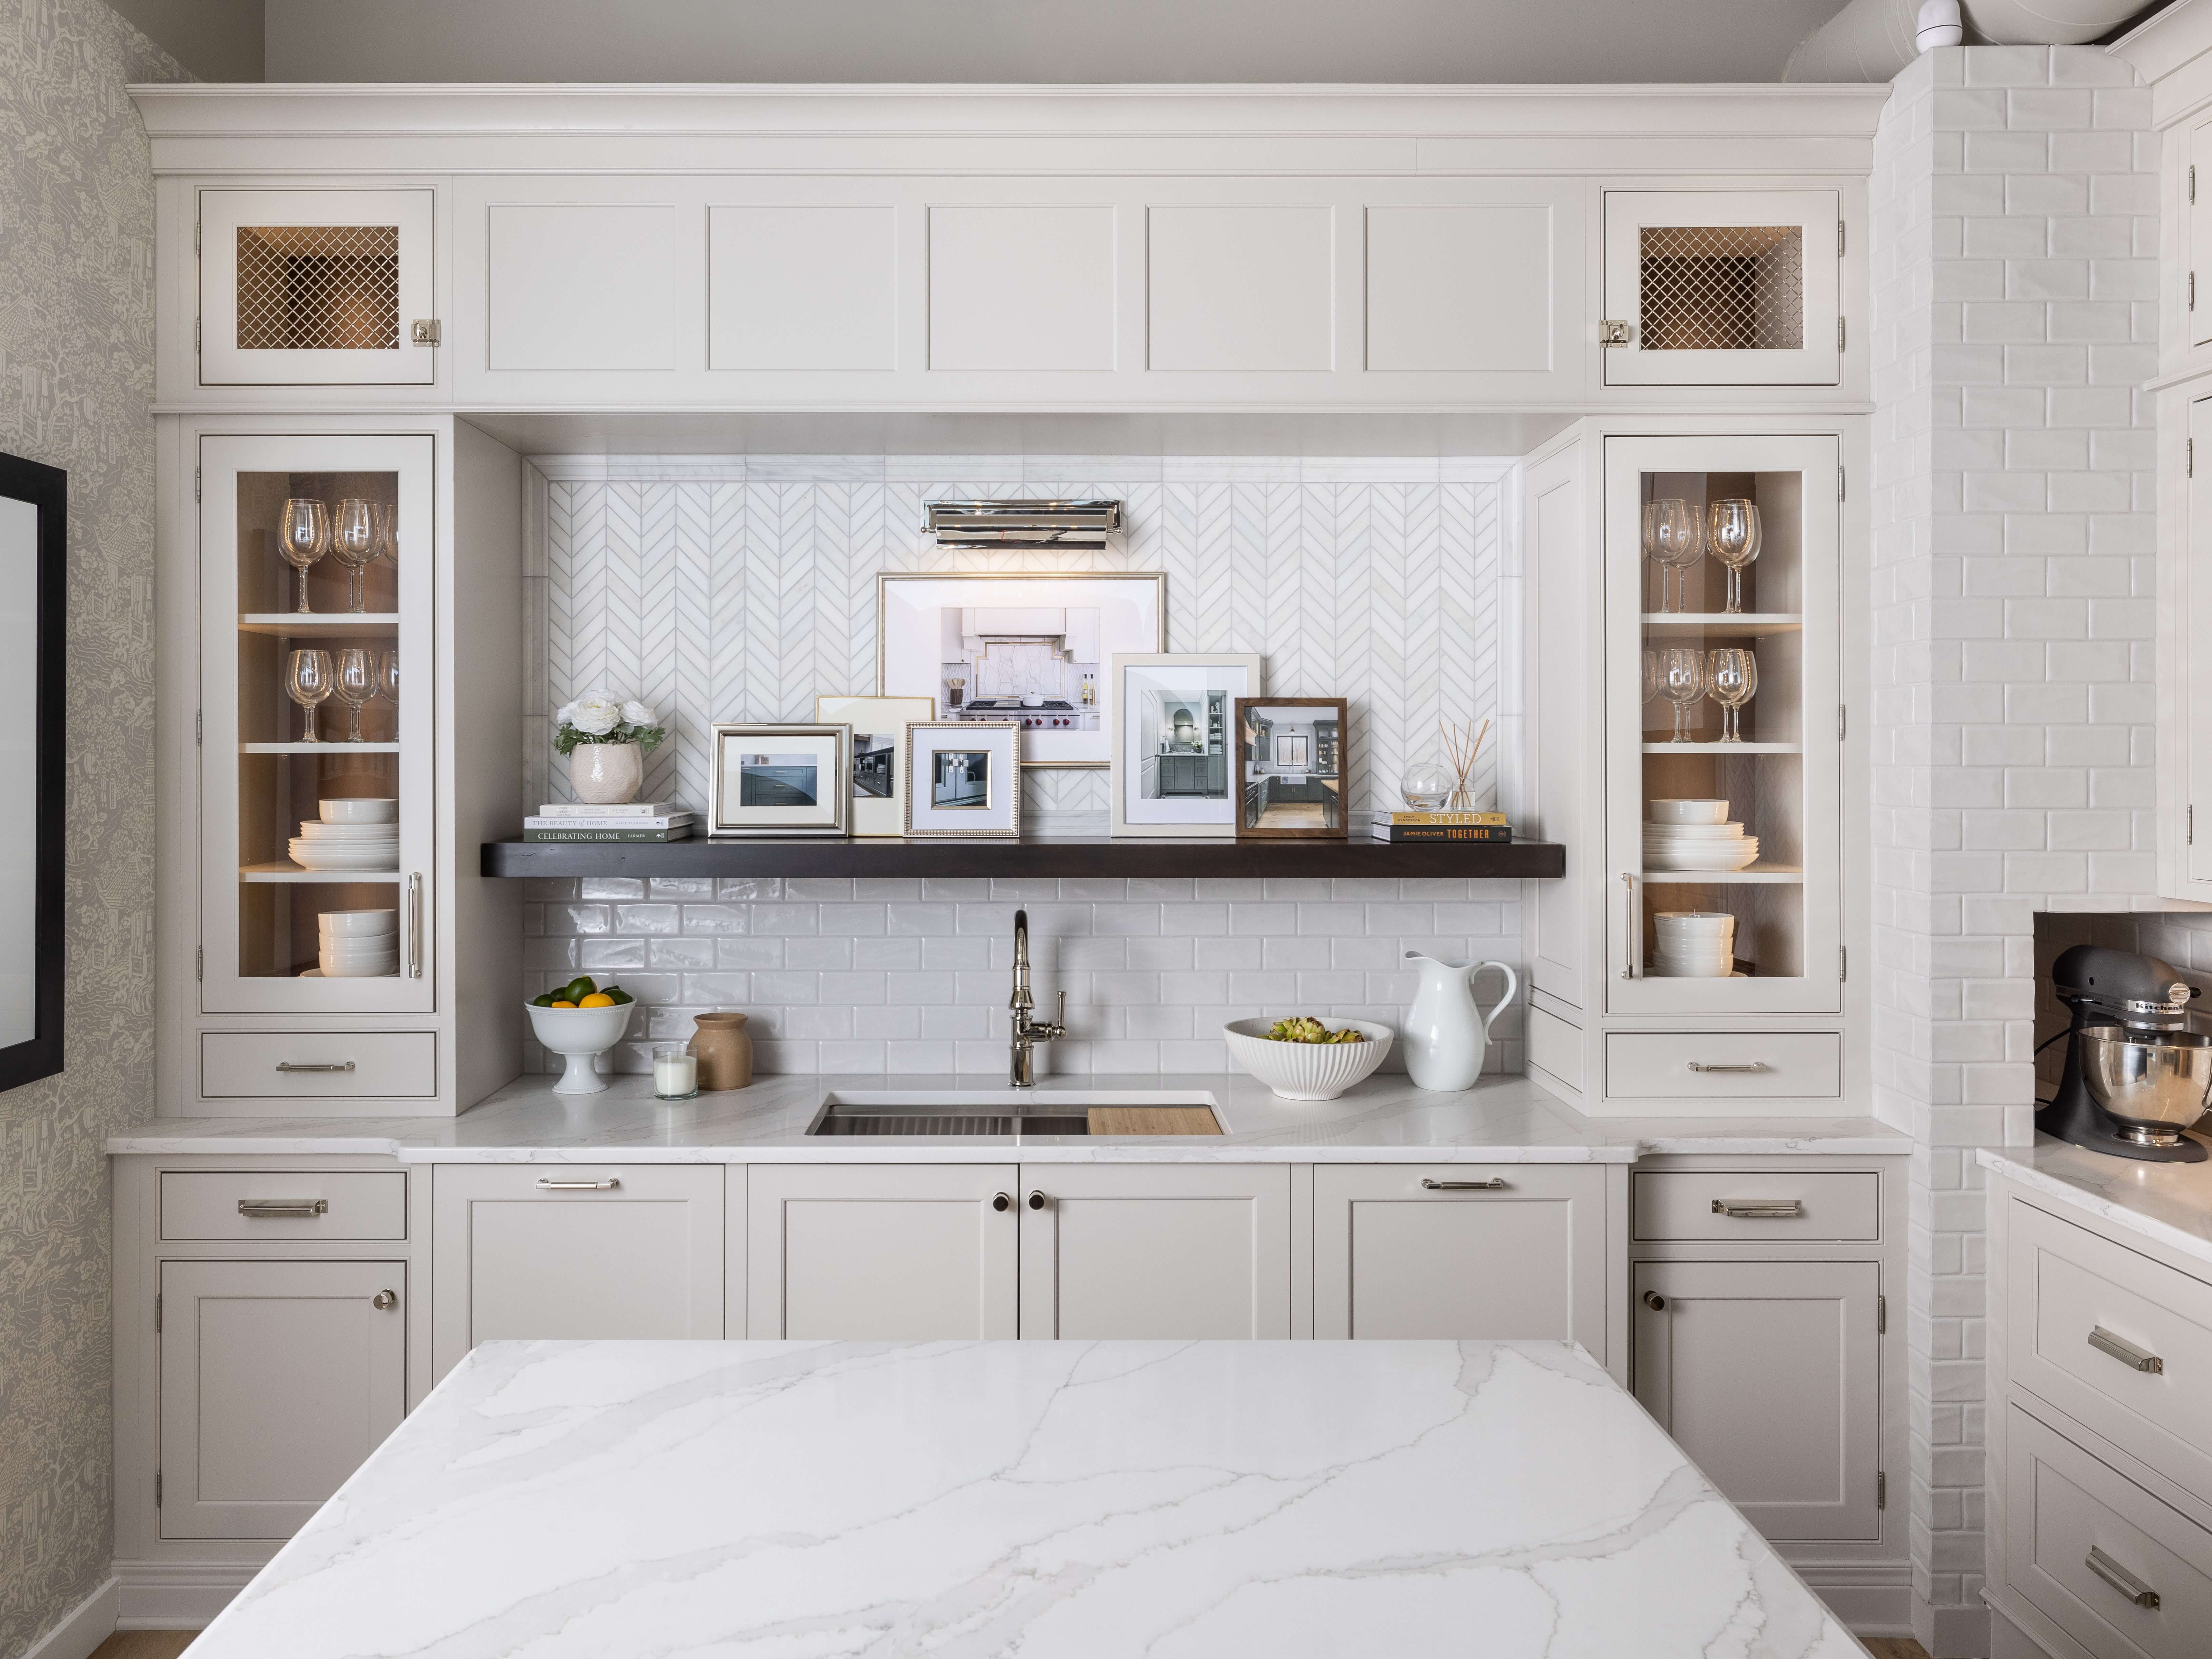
{"x":367,"y":624}
{"x":1742,"y":622}
{"x":292,"y":873}
{"x":1777,"y":875}
{"x":1058,"y":856}
{"x":1724,"y":748}
{"x":339,"y":746}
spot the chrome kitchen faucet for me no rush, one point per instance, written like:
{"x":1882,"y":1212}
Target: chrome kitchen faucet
{"x":1028,"y":1032}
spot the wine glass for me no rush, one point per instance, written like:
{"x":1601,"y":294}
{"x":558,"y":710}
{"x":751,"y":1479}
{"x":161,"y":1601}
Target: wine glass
{"x":1651,"y":674}
{"x":1732,"y":534}
{"x":353,"y":539}
{"x":1682,"y":682}
{"x":308,"y":681}
{"x":1674,"y":532}
{"x":387,"y":534}
{"x":1732,"y":676}
{"x":355,"y":683}
{"x":304,"y":537}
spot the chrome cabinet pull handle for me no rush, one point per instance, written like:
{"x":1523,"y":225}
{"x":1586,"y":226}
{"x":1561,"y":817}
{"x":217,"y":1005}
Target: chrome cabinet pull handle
{"x":548,"y":1184}
{"x":1036,"y":1200}
{"x":1495,"y":1184}
{"x":1656,"y":1301}
{"x":264,"y":1208}
{"x":1635,"y":935}
{"x":1748,"y":1065}
{"x":1001,"y":1202}
{"x":385,"y":1301}
{"x":1759,"y":1209}
{"x":2120,"y":1579}
{"x":415,"y":925}
{"x":314,"y":1065}
{"x":2126,"y":1353}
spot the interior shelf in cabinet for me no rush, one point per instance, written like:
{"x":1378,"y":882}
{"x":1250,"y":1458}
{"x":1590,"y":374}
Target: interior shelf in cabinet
{"x":1717,"y":748}
{"x":293,"y":872}
{"x":340,"y":746}
{"x":377,"y":624}
{"x":1772,"y":873}
{"x":1742,"y":622}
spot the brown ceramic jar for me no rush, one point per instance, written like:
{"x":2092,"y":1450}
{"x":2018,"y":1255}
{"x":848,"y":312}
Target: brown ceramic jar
{"x":725,"y":1051}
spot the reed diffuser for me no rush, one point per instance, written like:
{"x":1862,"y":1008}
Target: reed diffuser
{"x":1461,"y":745}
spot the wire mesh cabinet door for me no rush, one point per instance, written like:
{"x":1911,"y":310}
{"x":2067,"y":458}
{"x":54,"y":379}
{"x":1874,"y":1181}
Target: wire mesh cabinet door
{"x":316,"y":288}
{"x":1724,"y":287}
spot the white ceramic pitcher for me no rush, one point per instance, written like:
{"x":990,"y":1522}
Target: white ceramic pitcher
{"x":1446,"y":1033}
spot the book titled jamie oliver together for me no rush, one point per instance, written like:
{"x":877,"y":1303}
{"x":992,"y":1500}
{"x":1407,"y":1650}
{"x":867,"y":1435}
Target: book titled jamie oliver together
{"x":1399,"y":833}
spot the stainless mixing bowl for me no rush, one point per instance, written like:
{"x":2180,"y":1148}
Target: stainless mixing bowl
{"x":2154,"y":1087}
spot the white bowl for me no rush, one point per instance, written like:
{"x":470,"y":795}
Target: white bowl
{"x":1694,"y":921}
{"x":350,"y":946}
{"x":1689,"y":812}
{"x":1307,"y":1070}
{"x":1690,"y":864}
{"x":309,"y":856}
{"x":360,"y":811}
{"x":1663,"y":969}
{"x":316,"y":829}
{"x":581,"y":1035}
{"x":383,"y":968}
{"x":335,"y":923}
{"x":1693,"y":833}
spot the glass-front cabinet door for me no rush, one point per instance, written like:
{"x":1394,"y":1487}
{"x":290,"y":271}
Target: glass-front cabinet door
{"x":1721,"y":716}
{"x":316,"y":812}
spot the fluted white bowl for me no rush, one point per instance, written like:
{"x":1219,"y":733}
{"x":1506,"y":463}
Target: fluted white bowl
{"x":360,"y":811}
{"x":580,"y":1035}
{"x":1689,"y":812}
{"x":335,"y":923}
{"x":1308,"y":1070}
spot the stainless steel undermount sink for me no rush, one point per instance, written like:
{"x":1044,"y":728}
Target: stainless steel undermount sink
{"x":1011,"y":1113}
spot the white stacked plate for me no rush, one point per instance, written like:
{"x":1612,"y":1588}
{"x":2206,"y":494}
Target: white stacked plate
{"x":1710,"y":848}
{"x":358,"y":944}
{"x":345,"y":847}
{"x":1693,"y":945}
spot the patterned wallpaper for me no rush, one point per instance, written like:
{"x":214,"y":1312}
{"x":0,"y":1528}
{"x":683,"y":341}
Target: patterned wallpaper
{"x":732,"y":589}
{"x":76,"y":377}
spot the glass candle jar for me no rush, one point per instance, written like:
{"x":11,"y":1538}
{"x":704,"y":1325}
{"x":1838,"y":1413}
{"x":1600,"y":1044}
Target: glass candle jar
{"x":675,"y":1072}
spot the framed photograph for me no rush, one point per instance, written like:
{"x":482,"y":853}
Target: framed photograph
{"x":1013,"y":646}
{"x":880,"y":727}
{"x":1293,"y":759}
{"x":965,"y":779}
{"x":780,"y":781}
{"x":1174,"y":743}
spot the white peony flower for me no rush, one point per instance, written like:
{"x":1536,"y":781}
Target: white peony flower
{"x":637,"y":713}
{"x":595,"y":713}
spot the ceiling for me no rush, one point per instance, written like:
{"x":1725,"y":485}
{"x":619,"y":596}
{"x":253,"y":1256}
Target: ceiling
{"x":1188,"y":41}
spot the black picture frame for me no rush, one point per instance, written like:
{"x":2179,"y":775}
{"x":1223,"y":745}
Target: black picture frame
{"x":46,"y":488}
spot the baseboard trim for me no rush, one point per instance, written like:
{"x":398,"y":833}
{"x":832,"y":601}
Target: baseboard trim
{"x":1868,"y":1600}
{"x":1951,"y":1632}
{"x":83,"y":1628}
{"x":178,"y":1595}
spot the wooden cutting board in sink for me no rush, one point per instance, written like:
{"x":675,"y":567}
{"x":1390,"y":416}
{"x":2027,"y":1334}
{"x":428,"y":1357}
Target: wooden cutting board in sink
{"x":1154,"y":1120}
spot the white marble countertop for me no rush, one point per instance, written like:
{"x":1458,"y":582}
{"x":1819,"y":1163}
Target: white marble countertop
{"x":1500,"y":1120}
{"x":1177,"y":1500}
{"x":2170,"y":1203}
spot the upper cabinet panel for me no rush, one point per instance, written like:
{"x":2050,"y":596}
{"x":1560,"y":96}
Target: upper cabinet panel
{"x":2199,"y":255}
{"x":1020,"y":289}
{"x":316,"y":288}
{"x":802,"y":289}
{"x":581,"y":286}
{"x":1243,"y":289}
{"x":1466,"y":291}
{"x":1724,"y":287}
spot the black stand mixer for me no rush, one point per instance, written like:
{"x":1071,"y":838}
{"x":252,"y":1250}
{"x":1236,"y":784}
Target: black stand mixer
{"x":2135,"y":1076}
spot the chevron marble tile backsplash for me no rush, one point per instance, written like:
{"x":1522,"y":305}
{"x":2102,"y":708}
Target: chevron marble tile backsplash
{"x":733,"y":588}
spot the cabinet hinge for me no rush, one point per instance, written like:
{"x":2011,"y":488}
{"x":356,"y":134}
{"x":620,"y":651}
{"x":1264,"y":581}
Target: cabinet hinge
{"x":199,"y":961}
{"x":157,"y":1489}
{"x":2189,"y":824}
{"x":196,"y":225}
{"x":198,"y":736}
{"x":1840,"y":483}
{"x":2192,"y":183}
{"x":1881,"y":1316}
{"x":1841,"y":721}
{"x":1839,"y":235}
{"x":1839,"y":334}
{"x":1882,"y":1489}
{"x":196,"y":483}
{"x":157,"y":1315}
{"x":1842,"y":962}
{"x":195,"y":337}
{"x":2189,"y":458}
{"x":2192,"y":290}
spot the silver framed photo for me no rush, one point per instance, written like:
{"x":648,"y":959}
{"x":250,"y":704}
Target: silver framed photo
{"x":963,"y":780}
{"x":1174,"y":746}
{"x":1026,"y":646}
{"x":780,"y":780}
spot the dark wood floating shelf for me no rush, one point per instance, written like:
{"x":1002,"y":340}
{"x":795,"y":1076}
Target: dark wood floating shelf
{"x":1052,"y":856}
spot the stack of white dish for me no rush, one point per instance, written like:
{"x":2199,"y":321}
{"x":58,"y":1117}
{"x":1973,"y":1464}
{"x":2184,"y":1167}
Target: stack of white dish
{"x":358,"y":944}
{"x":349,"y":835}
{"x":1694,"y":945}
{"x":1696,"y":837}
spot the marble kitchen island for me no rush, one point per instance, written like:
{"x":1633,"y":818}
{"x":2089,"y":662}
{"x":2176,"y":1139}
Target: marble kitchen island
{"x":1106,"y":1498}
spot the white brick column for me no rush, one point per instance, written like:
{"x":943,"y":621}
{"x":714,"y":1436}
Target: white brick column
{"x":2015,"y":242}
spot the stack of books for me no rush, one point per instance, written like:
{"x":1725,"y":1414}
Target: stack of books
{"x":1441,"y":826}
{"x":636,"y":820}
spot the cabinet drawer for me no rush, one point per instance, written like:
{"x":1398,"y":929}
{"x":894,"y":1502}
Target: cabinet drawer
{"x":353,"y":1204}
{"x":2084,"y":1315}
{"x":242,"y":1064}
{"x":2083,"y":1541}
{"x":1681,"y":1065}
{"x":1755,"y":1206}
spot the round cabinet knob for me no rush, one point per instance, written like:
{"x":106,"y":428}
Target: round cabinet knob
{"x":1036,"y":1201}
{"x":1656,"y":1301}
{"x":1001,"y":1202}
{"x":385,"y":1301}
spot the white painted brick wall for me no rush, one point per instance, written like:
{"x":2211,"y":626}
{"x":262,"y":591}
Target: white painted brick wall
{"x":2015,"y":242}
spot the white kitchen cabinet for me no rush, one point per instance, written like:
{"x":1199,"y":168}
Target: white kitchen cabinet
{"x":1460,"y":1250}
{"x":1155,"y":1250}
{"x":2185,"y":708}
{"x":881,"y":1251}
{"x":277,"y":1379}
{"x":575,"y":1251}
{"x":2196,"y":261}
{"x":1724,"y":287}
{"x":1768,"y":1374}
{"x":324,"y":287}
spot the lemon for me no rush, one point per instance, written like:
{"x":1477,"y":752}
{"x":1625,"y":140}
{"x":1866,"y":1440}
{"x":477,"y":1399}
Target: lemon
{"x":557,"y":1003}
{"x":597,"y":999}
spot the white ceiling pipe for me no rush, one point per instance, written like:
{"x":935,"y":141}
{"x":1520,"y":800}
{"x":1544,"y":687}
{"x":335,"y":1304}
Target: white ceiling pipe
{"x":1872,"y":39}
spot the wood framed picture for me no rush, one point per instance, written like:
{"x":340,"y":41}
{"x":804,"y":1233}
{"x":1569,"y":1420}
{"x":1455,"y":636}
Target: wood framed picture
{"x":964,"y":780}
{"x":1028,"y":647}
{"x":1292,"y":760}
{"x":780,"y":780}
{"x":1174,"y":744}
{"x":880,"y":773}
